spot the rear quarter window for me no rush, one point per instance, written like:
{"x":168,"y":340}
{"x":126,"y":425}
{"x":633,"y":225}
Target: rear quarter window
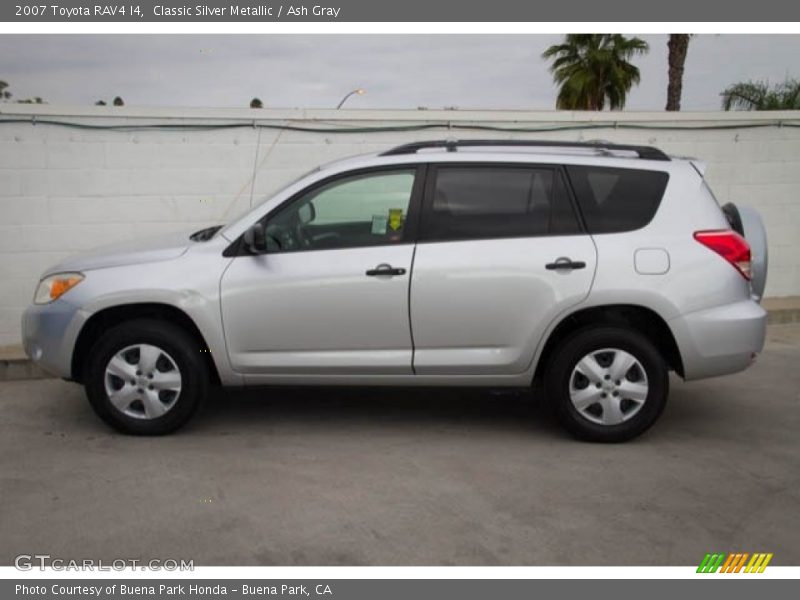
{"x":616,"y":200}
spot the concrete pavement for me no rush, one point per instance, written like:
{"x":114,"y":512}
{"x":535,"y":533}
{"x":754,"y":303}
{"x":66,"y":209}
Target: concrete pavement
{"x":408,"y":477}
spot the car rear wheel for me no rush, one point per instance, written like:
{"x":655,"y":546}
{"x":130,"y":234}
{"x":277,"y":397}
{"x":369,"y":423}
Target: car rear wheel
{"x":607,"y":384}
{"x":146,"y":377}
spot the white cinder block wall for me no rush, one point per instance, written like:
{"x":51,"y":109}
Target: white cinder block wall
{"x":67,"y":189}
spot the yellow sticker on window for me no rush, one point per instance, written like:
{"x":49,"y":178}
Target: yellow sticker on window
{"x":395,"y":218}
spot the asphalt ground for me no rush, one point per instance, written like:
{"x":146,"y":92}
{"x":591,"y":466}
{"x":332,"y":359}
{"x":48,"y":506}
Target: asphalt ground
{"x":349,"y":476}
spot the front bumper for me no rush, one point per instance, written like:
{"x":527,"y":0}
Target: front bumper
{"x":49,"y":333}
{"x":720,"y":340}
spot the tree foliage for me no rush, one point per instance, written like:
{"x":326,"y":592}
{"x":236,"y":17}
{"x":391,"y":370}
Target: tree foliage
{"x":594,"y":70}
{"x":6,"y":95}
{"x":759,"y":95}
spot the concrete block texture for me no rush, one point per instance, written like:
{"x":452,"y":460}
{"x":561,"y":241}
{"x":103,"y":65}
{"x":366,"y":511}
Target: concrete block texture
{"x":67,"y":189}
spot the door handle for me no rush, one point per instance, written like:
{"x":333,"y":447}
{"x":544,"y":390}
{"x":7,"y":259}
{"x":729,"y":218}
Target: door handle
{"x":385,"y":269}
{"x":565,"y":263}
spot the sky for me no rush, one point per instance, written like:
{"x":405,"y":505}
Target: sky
{"x":397,"y":71}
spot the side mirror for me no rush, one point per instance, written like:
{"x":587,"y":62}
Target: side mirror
{"x":306,"y":213}
{"x":255,"y":240}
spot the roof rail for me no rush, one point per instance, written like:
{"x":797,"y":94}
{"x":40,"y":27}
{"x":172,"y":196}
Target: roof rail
{"x":644,"y":152}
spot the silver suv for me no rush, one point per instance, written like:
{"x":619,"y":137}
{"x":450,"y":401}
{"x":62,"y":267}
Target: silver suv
{"x":595,"y":268}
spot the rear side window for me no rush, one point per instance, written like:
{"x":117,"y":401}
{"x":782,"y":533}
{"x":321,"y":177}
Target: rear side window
{"x":479,"y":202}
{"x":614,"y":200}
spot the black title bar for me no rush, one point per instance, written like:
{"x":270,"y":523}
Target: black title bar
{"x":398,"y":11}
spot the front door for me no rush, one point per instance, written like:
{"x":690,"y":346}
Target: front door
{"x":330,"y":296}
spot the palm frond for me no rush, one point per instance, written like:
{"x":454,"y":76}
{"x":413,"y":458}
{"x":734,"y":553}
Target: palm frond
{"x":593,"y":70}
{"x":745,"y":96}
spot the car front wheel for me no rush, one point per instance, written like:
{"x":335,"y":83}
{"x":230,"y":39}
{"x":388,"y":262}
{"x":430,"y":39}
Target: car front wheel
{"x":146,"y":377}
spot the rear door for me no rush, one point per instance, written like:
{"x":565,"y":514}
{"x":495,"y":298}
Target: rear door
{"x":501,"y":253}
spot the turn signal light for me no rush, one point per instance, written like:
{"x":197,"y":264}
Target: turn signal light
{"x":53,"y":287}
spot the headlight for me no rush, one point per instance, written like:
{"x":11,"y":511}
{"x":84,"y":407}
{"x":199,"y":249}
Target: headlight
{"x":53,"y":287}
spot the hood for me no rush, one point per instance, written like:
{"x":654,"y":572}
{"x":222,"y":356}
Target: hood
{"x":150,"y":249}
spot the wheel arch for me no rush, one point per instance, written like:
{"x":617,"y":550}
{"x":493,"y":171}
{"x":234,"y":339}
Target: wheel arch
{"x":639,"y":318}
{"x":114,"y":315}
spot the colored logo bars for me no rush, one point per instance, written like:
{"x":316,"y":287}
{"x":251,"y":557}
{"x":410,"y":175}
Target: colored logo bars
{"x":735,"y":562}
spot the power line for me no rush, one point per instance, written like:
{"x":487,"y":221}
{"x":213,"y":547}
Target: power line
{"x":448,"y":125}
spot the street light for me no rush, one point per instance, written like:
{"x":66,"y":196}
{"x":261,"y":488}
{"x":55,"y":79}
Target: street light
{"x":358,"y":92}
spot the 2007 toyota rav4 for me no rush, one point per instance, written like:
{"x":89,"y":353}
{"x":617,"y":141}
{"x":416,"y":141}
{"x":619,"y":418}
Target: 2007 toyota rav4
{"x":596,"y":267}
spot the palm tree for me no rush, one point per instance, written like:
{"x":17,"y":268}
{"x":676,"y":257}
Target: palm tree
{"x":678,"y":45}
{"x":758,"y":95}
{"x":593,"y":69}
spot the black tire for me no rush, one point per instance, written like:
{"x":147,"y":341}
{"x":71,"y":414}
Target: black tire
{"x":181,"y":348}
{"x":582,"y":343}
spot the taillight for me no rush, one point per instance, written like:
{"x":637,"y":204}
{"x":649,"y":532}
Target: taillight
{"x":730,"y":246}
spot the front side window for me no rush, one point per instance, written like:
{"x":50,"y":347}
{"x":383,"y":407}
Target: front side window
{"x":481,"y":202}
{"x":368,"y":209}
